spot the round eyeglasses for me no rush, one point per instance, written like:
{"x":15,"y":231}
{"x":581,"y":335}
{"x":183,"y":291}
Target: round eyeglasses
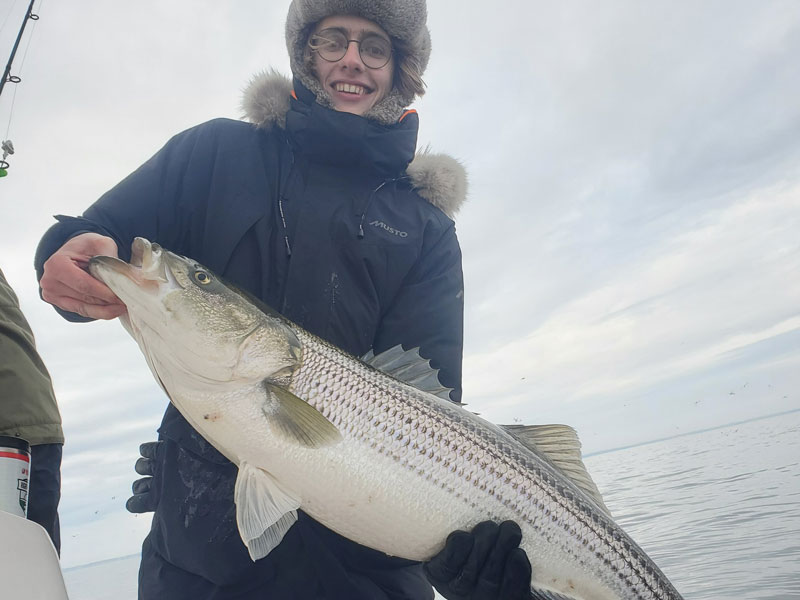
{"x":332,"y":44}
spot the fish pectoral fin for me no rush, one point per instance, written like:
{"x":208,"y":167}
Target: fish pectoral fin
{"x":296,"y":420}
{"x":560,"y":444}
{"x":264,"y":510}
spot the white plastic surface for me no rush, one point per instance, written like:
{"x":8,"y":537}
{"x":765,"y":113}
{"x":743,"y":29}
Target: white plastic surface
{"x":29,"y":567}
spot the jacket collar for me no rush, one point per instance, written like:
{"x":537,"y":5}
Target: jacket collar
{"x":341,"y":138}
{"x":345,"y":140}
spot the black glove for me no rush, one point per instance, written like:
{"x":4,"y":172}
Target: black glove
{"x":485,"y":564}
{"x":145,"y":496}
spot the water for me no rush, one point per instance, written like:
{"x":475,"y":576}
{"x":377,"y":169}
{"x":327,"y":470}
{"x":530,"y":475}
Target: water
{"x":718,"y":511}
{"x":115,"y":579}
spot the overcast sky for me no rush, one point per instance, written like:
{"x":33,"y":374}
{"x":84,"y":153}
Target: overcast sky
{"x":631,"y":246}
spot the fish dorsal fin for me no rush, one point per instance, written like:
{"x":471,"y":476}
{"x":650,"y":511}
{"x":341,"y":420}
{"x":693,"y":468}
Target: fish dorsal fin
{"x":264,"y":510}
{"x":296,"y":420}
{"x":409,"y":367}
{"x":560,"y":444}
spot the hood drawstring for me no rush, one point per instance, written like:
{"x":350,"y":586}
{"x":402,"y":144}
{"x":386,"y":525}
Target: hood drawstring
{"x":281,"y":197}
{"x":366,"y":206}
{"x":285,"y":229}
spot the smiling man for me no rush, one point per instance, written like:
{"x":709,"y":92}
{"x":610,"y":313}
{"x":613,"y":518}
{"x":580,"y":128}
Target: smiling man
{"x":352,"y":59}
{"x":319,"y":207}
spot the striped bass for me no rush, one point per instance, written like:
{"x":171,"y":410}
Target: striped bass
{"x":360,"y":449}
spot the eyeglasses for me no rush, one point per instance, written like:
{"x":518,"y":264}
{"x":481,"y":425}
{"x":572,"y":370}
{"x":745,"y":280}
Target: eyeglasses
{"x":332,"y":44}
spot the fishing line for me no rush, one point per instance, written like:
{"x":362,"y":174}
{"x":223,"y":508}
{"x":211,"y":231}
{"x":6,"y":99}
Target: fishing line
{"x":7,"y":145}
{"x":19,"y":71}
{"x":22,"y":66}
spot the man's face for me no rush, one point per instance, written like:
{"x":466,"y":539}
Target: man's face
{"x":353,"y":87}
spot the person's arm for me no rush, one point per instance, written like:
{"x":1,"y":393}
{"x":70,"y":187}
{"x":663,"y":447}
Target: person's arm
{"x":147,"y":203}
{"x":67,"y":285}
{"x":27,"y":401}
{"x":428,"y":311}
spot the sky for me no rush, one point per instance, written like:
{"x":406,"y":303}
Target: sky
{"x":630,"y":239}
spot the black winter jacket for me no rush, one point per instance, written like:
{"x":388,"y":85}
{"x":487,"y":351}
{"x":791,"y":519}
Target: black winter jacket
{"x":318,"y":217}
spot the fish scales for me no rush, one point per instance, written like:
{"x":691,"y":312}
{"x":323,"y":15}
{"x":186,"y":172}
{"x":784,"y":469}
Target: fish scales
{"x":472,"y":461}
{"x":378,"y":461}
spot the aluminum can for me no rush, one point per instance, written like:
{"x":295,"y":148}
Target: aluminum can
{"x":15,"y":469}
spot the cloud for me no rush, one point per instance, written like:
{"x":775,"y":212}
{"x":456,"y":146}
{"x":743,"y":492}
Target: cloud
{"x":677,"y":309}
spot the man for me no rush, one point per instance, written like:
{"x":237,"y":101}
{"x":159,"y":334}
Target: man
{"x":315,"y":209}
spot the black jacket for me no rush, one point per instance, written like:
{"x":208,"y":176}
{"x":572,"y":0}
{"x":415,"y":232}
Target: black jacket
{"x":319,"y":219}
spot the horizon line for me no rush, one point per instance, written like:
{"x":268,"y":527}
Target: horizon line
{"x":704,"y":430}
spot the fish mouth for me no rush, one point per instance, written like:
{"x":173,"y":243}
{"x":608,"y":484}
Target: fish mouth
{"x":150,"y":258}
{"x":147,"y":269}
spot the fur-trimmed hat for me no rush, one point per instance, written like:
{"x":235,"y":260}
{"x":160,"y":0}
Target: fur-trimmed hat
{"x":403,"y":20}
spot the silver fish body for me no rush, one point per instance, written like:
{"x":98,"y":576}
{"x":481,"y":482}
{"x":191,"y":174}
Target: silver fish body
{"x":375,"y":459}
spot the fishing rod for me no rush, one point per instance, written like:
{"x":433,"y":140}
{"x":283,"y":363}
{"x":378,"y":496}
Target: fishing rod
{"x":7,"y":146}
{"x":13,"y":78}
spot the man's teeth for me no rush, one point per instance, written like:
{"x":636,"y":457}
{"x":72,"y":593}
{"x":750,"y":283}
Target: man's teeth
{"x":351,"y":89}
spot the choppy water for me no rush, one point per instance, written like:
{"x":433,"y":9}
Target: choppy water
{"x":718,"y":511}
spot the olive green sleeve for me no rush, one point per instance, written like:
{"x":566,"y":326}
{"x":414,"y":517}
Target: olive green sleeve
{"x":27,"y":402}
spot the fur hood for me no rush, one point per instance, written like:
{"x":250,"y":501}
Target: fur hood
{"x":438,"y":178}
{"x":403,"y":20}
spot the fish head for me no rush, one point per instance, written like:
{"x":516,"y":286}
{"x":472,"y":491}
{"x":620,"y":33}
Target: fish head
{"x":195,"y":330}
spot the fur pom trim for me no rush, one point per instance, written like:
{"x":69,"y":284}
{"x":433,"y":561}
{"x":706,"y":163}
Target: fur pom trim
{"x":266,"y":99}
{"x":440,"y":179}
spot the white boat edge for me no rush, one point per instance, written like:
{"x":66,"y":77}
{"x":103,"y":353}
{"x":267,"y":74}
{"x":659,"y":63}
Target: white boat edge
{"x":29,"y":565}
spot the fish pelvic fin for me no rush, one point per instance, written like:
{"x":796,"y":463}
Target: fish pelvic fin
{"x":296,"y":420}
{"x":560,"y":444}
{"x":409,"y":367}
{"x":264,"y":510}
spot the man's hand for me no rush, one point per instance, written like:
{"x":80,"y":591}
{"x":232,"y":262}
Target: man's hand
{"x":66,"y":284}
{"x":484,"y":564}
{"x":145,"y":498}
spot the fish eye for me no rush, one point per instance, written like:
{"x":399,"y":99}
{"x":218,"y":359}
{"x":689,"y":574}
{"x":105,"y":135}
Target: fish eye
{"x":202,"y":277}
